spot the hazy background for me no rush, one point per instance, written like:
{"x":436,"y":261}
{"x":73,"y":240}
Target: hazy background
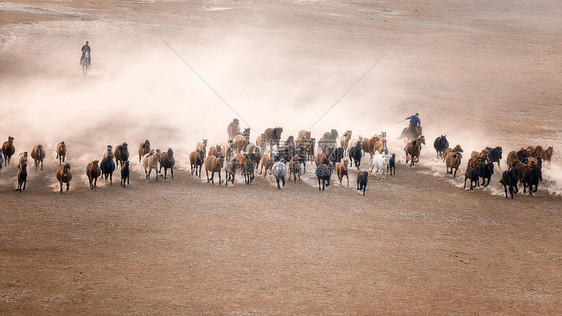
{"x":280,"y":64}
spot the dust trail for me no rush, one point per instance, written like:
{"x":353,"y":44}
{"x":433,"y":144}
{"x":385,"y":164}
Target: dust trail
{"x":130,"y":96}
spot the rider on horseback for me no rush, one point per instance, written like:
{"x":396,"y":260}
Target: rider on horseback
{"x":85,"y":49}
{"x":414,"y":121}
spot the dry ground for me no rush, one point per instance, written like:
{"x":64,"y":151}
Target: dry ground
{"x":182,"y":246}
{"x":414,"y":245}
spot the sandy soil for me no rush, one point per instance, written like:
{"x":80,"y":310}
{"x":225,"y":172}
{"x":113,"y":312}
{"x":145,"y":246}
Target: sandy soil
{"x":418,"y":243}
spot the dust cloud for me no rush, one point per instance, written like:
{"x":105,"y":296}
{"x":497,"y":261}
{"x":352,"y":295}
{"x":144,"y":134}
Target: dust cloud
{"x":153,"y":95}
{"x":140,"y":88}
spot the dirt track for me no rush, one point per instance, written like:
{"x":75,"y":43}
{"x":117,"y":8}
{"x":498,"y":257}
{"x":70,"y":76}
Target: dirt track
{"x":416,"y":244}
{"x":182,"y":246}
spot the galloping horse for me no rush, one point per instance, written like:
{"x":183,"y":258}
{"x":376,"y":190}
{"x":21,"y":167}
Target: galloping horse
{"x":411,"y":134}
{"x":85,"y":62}
{"x":441,"y":144}
{"x":413,"y":149}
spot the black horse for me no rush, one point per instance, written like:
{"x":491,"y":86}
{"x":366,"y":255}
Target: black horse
{"x":441,"y":144}
{"x":107,"y":167}
{"x":494,"y":154}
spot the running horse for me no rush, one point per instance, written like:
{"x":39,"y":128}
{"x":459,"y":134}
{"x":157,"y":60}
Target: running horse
{"x":413,"y":149}
{"x":85,"y":62}
{"x":411,"y":134}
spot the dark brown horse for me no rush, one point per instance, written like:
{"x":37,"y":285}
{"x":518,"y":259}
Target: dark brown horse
{"x":121,"y":154}
{"x":272,"y":136}
{"x":196,"y":160}
{"x":144,"y":148}
{"x":413,"y":149}
{"x":324,"y":158}
{"x":8,"y":149}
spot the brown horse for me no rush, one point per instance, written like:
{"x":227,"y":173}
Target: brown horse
{"x":344,"y":140}
{"x":144,"y":148}
{"x":380,"y":146}
{"x":324,"y":158}
{"x":61,"y":152}
{"x":368,"y":145}
{"x":302,"y":138}
{"x":196,"y":160}
{"x":411,"y":134}
{"x":272,"y":136}
{"x":522,"y":155}
{"x":457,"y":149}
{"x":8,"y":149}
{"x":240,"y":143}
{"x":38,"y":154}
{"x":121,"y":154}
{"x":233,"y":128}
{"x":413,"y":149}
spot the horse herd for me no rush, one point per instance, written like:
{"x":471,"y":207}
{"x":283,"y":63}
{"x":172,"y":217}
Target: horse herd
{"x":288,"y":159}
{"x":524,"y":166}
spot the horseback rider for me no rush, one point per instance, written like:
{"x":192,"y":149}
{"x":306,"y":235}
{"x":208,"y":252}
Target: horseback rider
{"x":86,"y":49}
{"x":414,"y":121}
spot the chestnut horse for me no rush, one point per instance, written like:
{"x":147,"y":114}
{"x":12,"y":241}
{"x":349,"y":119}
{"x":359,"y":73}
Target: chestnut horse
{"x":413,"y":149}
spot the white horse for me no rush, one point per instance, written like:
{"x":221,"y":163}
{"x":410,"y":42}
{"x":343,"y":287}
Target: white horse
{"x":380,"y":161}
{"x":280,"y":172}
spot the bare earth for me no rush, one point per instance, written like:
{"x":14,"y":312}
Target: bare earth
{"x":485,"y":74}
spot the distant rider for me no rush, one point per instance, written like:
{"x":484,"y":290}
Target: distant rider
{"x":414,"y":121}
{"x":85,"y":49}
